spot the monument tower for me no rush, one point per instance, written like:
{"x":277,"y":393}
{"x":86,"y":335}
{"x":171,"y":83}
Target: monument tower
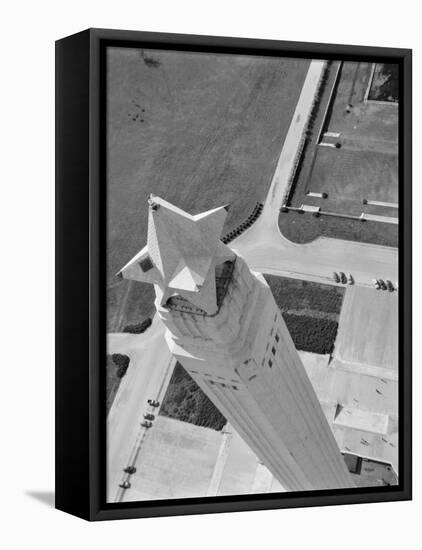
{"x":225,"y":328}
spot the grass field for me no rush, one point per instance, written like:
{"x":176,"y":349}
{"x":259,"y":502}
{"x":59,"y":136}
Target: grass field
{"x":310,"y":310}
{"x":304,"y":228}
{"x":306,"y":297}
{"x":200,"y":130}
{"x":364,"y":167}
{"x":385,"y":83}
{"x":112,"y":380}
{"x":348,"y":176}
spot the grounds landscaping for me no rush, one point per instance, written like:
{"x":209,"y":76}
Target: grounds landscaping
{"x":184,"y":400}
{"x":304,"y":228}
{"x":199,"y":130}
{"x":116,"y":367}
{"x":364,"y":167}
{"x":311,"y":311}
{"x":385,"y":83}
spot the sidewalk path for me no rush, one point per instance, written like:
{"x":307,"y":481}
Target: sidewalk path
{"x":150,"y":369}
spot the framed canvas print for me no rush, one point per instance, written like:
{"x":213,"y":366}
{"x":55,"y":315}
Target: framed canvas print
{"x":233,"y":274}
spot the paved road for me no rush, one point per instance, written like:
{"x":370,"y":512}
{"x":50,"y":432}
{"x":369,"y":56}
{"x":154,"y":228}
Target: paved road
{"x":266,"y":250}
{"x":150,"y":370}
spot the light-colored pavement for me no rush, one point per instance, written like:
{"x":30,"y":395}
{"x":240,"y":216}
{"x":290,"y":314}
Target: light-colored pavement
{"x":266,"y":250}
{"x":148,"y":375}
{"x":369,"y":330}
{"x":180,"y":460}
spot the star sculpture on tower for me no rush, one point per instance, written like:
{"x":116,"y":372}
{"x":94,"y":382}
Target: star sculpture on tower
{"x":181,"y":254}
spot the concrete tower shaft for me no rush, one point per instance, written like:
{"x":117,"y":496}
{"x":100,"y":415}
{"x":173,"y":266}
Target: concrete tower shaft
{"x":235,"y":344}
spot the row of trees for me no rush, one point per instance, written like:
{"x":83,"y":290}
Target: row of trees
{"x":256,"y":212}
{"x":138,"y":328}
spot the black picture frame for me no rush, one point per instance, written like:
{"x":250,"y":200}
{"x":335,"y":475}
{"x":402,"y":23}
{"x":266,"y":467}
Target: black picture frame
{"x":80,"y":274}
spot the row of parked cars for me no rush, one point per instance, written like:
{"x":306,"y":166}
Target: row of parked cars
{"x":343,"y":279}
{"x":380,"y":284}
{"x":149,"y":417}
{"x":245,"y":225}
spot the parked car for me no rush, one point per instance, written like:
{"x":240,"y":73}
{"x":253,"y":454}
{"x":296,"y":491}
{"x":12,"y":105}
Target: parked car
{"x":146,"y":424}
{"x":336,"y":277}
{"x":149,"y":416}
{"x":343,"y":277}
{"x":376,"y":284}
{"x":390,"y":286}
{"x":125,"y":484}
{"x":130,"y":470}
{"x":383,"y":286}
{"x":350,"y":279}
{"x":153,"y":403}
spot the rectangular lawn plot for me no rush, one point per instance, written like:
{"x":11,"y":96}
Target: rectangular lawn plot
{"x":349,"y":176}
{"x":356,"y":160}
{"x":365,"y":166}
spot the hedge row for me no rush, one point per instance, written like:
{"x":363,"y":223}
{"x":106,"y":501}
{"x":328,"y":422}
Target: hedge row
{"x":184,"y":400}
{"x":121,"y":362}
{"x":139,"y":328}
{"x":294,"y":294}
{"x":256,"y":212}
{"x":311,"y":333}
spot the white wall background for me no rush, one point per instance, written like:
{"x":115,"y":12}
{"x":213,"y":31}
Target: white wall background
{"x":26,"y":305}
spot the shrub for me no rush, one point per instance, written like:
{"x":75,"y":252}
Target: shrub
{"x":293,"y":295}
{"x":121,"y":362}
{"x":184,"y":400}
{"x":311,"y":333}
{"x":139,"y":328}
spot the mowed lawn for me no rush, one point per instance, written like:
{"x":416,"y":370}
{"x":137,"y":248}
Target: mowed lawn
{"x":366,"y":166}
{"x":310,"y":311}
{"x":200,"y":130}
{"x":350,"y":176}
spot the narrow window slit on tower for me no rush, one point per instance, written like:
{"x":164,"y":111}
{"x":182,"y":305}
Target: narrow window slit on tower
{"x":146,"y":264}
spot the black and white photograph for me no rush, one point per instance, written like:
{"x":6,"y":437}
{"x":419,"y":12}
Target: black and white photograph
{"x":210,"y":275}
{"x":252,"y":273}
